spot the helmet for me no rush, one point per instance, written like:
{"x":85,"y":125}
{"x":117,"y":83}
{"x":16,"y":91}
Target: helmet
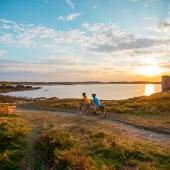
{"x":94,"y":95}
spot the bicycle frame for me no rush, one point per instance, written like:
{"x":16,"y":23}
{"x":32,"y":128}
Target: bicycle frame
{"x":99,"y":112}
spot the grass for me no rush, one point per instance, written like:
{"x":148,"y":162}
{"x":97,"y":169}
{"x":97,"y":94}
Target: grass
{"x":154,"y":104}
{"x":76,"y":143}
{"x":150,"y":112}
{"x":50,"y":141}
{"x":10,"y":99}
{"x":13,"y":139}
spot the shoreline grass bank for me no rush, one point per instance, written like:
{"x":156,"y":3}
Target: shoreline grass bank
{"x":149,"y":112}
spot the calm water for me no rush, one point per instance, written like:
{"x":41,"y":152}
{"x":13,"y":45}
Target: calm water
{"x":103,"y":91}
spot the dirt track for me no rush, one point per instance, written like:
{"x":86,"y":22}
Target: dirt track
{"x":137,"y":131}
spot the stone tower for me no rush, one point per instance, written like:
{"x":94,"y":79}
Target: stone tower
{"x":165,"y":83}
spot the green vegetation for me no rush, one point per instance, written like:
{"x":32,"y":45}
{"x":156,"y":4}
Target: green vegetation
{"x":5,"y":83}
{"x":13,"y":139}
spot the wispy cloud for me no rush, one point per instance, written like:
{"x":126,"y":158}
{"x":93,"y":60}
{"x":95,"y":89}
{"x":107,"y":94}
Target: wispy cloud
{"x":70,"y":3}
{"x":107,"y":37}
{"x":164,"y":27}
{"x":23,"y":34}
{"x":2,"y":52}
{"x":70,"y":17}
{"x":6,"y":38}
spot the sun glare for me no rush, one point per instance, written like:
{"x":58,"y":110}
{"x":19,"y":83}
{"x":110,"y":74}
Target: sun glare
{"x":152,"y":70}
{"x":149,"y":89}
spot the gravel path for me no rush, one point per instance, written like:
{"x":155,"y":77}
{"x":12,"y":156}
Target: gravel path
{"x":137,"y":131}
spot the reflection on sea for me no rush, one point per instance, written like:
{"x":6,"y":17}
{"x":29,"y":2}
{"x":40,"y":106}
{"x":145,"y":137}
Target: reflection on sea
{"x":149,"y":89}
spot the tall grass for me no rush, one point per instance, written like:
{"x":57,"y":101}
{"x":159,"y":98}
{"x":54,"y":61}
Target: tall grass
{"x":77,"y":148}
{"x":13,"y":139}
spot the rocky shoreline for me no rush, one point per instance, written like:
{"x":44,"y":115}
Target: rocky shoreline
{"x":22,"y":100}
{"x":13,"y":88}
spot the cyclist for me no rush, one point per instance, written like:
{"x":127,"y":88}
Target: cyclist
{"x":86,"y":102}
{"x":97,"y":108}
{"x":95,"y":101}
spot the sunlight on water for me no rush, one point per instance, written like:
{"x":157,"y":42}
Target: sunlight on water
{"x":149,"y":89}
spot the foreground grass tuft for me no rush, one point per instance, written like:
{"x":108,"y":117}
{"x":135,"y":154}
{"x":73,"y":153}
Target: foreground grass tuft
{"x":69,"y":148}
{"x":13,"y":139}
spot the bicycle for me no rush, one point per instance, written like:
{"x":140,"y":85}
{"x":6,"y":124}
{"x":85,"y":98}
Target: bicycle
{"x":99,"y":112}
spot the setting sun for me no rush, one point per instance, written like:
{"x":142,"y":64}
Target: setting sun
{"x":152,"y":70}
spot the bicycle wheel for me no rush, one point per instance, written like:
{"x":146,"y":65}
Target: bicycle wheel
{"x":79,"y":112}
{"x":101,"y":114}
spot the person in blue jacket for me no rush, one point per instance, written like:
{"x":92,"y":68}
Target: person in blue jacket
{"x":95,"y":101}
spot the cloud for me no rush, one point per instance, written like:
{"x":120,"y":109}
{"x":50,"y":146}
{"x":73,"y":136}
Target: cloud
{"x":9,"y":65}
{"x":62,"y":60}
{"x":165,"y":65}
{"x":45,"y":64}
{"x":70,"y":3}
{"x":102,"y":47}
{"x":23,"y":34}
{"x":29,"y":35}
{"x":70,"y":17}
{"x":98,"y":37}
{"x":2,"y":52}
{"x":6,"y":38}
{"x":107,"y":37}
{"x":164,"y":27}
{"x":62,"y":71}
{"x":114,"y":46}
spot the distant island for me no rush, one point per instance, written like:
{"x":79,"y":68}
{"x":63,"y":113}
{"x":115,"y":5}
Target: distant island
{"x":6,"y":87}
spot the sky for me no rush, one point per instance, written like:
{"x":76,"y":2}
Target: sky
{"x":84,"y":40}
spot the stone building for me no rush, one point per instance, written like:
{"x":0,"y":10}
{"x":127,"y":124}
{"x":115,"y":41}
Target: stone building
{"x":165,"y":83}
